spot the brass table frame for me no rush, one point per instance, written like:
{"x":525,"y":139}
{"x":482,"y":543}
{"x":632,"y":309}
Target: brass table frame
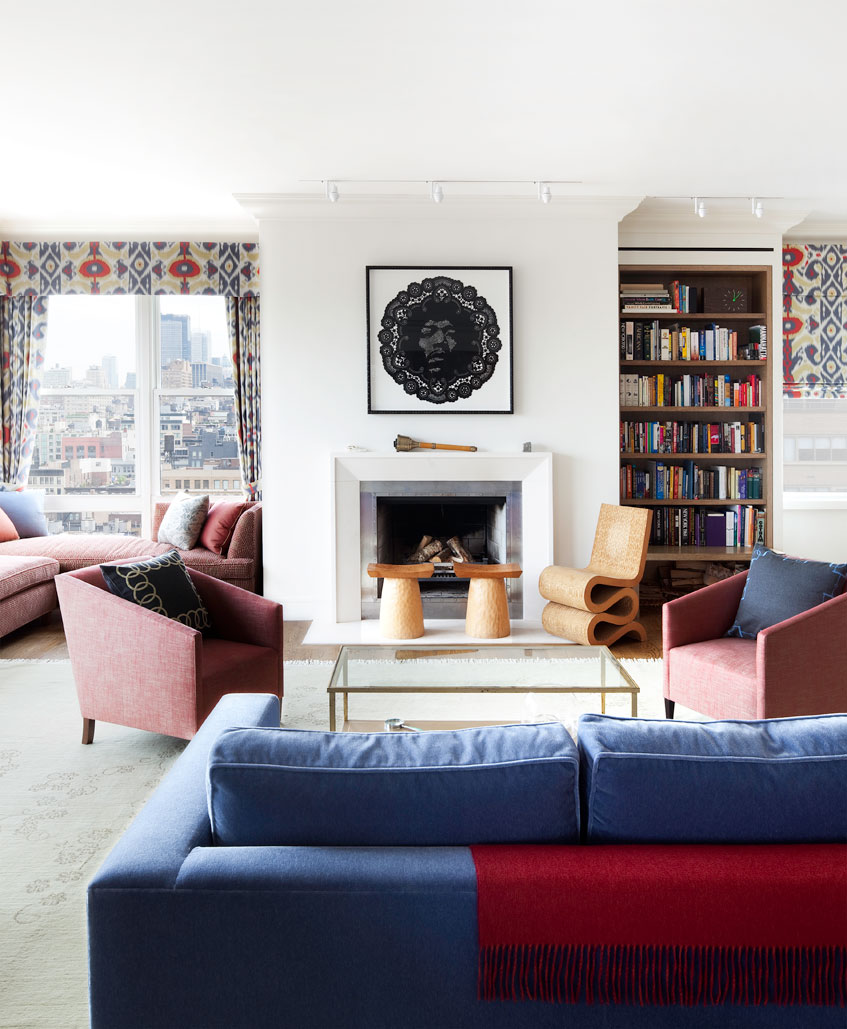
{"x":339,"y":680}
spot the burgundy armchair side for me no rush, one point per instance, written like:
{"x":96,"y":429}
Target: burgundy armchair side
{"x":797,"y":667}
{"x":137,"y":668}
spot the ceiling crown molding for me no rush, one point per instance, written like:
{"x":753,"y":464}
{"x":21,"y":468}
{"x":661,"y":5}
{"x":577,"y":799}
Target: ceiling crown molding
{"x":351,"y":206}
{"x":725,"y":216}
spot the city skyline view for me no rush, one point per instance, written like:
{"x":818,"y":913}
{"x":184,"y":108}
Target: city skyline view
{"x":87,"y":441}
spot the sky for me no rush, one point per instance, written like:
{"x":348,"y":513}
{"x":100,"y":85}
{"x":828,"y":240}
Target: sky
{"x":82,"y":329}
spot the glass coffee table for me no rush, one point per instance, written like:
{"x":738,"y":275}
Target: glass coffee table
{"x":497,"y":669}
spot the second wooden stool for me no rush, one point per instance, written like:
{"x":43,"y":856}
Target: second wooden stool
{"x":400,"y":608}
{"x":487,"y":616}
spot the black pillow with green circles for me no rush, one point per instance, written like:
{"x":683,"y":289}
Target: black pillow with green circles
{"x":160,"y":584}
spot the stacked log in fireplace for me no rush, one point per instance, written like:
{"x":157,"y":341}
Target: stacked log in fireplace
{"x":441,"y":554}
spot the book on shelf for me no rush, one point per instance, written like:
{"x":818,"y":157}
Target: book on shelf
{"x":715,"y":529}
{"x":759,"y":341}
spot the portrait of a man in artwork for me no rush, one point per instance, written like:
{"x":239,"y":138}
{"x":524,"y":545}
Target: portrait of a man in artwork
{"x":439,"y":340}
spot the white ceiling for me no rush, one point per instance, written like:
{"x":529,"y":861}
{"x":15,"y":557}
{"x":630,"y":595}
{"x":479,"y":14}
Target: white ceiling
{"x":129,"y":116}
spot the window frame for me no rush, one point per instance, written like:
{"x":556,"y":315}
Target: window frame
{"x":147,"y":395}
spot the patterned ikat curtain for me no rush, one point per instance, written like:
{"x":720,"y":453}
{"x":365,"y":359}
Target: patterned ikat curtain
{"x":23,"y":322}
{"x":814,"y":324}
{"x":243,"y":319}
{"x":31,"y":272}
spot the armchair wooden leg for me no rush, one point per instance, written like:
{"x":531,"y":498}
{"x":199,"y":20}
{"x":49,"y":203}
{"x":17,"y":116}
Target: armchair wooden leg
{"x":88,"y":730}
{"x":669,"y":706}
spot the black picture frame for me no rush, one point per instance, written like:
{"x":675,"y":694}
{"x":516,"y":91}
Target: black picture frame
{"x":439,"y":339}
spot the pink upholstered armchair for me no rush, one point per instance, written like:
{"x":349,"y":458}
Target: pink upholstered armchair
{"x":138,"y":668}
{"x":797,"y":667}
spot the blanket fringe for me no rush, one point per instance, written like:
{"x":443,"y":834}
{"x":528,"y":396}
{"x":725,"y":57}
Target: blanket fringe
{"x":663,"y":975}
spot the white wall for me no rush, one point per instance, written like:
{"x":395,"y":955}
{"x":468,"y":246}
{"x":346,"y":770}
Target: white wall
{"x":314,"y":377}
{"x":817,"y":533}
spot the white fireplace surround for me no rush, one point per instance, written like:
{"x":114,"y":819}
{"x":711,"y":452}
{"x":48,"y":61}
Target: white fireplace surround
{"x":533,"y":470}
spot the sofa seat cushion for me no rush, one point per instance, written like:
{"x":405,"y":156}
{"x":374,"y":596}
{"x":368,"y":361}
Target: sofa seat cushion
{"x":716,"y":676}
{"x":82,"y":550}
{"x":778,"y":780}
{"x":232,"y":667}
{"x":294,"y":787}
{"x":20,"y":573}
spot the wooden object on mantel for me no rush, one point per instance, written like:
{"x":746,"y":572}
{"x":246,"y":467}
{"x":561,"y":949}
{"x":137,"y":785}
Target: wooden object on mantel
{"x":400,"y":608}
{"x":403,"y":444}
{"x":487,"y":615}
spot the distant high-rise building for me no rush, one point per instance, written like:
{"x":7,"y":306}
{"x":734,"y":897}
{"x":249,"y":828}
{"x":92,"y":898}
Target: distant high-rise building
{"x":175,"y":338}
{"x":57,"y":378}
{"x":200,"y":343}
{"x":110,"y":370}
{"x":95,"y":376}
{"x":176,"y":375}
{"x":129,"y":382}
{"x":203,"y":374}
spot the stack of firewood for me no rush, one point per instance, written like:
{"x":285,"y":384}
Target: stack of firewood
{"x":681,"y":577}
{"x":436,"y":552}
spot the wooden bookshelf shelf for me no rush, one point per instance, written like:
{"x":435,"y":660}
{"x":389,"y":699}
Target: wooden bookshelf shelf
{"x":675,"y":316}
{"x":630,"y":455}
{"x":676,"y":527}
{"x":688,"y":502}
{"x":699,"y":553}
{"x":651,"y":362}
{"x":702,"y":412}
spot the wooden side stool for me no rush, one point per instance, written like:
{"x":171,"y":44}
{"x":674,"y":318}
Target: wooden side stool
{"x":400,"y":608}
{"x":487,"y":616}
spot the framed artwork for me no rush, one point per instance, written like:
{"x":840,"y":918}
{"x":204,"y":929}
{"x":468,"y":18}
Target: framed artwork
{"x":439,"y":340}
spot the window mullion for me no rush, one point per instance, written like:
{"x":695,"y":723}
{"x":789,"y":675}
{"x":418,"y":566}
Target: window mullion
{"x":145,"y":346}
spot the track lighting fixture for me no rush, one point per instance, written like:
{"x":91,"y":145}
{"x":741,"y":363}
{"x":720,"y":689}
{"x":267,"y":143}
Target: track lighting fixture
{"x":699,"y":207}
{"x":331,"y":191}
{"x":436,"y":192}
{"x":545,"y":194}
{"x":757,"y":207}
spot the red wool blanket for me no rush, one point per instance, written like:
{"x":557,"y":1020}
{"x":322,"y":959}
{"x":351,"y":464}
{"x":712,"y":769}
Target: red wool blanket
{"x":662,"y":924}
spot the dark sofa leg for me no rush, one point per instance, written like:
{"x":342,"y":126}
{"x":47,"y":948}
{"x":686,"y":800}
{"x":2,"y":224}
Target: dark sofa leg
{"x":669,"y":706}
{"x":88,"y":730}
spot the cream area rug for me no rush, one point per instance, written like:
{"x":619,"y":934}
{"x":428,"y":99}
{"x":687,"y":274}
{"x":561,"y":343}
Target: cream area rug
{"x":63,"y":805}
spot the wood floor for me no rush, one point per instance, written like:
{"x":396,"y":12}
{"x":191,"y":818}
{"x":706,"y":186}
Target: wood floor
{"x":45,"y":640}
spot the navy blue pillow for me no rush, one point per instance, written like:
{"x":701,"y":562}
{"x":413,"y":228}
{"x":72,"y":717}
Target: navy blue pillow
{"x":780,"y":587}
{"x":295,"y":787}
{"x":773,"y":780}
{"x":160,"y":584}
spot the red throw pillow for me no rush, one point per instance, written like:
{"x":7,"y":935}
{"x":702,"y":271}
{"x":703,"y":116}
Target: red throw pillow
{"x":219,"y":526}
{"x":7,"y":528}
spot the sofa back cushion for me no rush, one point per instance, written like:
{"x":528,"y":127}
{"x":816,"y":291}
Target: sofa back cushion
{"x":183,"y":520}
{"x":219,"y":526}
{"x":778,"y":780}
{"x":294,"y":787}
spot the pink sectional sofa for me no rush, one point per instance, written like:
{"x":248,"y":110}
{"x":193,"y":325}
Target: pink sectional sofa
{"x":27,"y":566}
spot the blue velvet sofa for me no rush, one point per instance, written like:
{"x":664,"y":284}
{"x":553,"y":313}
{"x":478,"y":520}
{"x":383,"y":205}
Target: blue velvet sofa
{"x":187,"y":932}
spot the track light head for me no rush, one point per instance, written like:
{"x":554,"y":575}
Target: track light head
{"x":699,"y":207}
{"x":545,"y":194}
{"x":331,"y":191}
{"x":757,"y":207}
{"x":436,"y":192}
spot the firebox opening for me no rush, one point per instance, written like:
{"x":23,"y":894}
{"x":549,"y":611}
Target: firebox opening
{"x":479,"y":521}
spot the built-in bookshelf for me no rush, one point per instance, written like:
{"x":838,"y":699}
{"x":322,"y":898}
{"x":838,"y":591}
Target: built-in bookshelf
{"x":695,"y":424}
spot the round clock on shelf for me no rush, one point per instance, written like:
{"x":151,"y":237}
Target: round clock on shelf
{"x":725,"y":298}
